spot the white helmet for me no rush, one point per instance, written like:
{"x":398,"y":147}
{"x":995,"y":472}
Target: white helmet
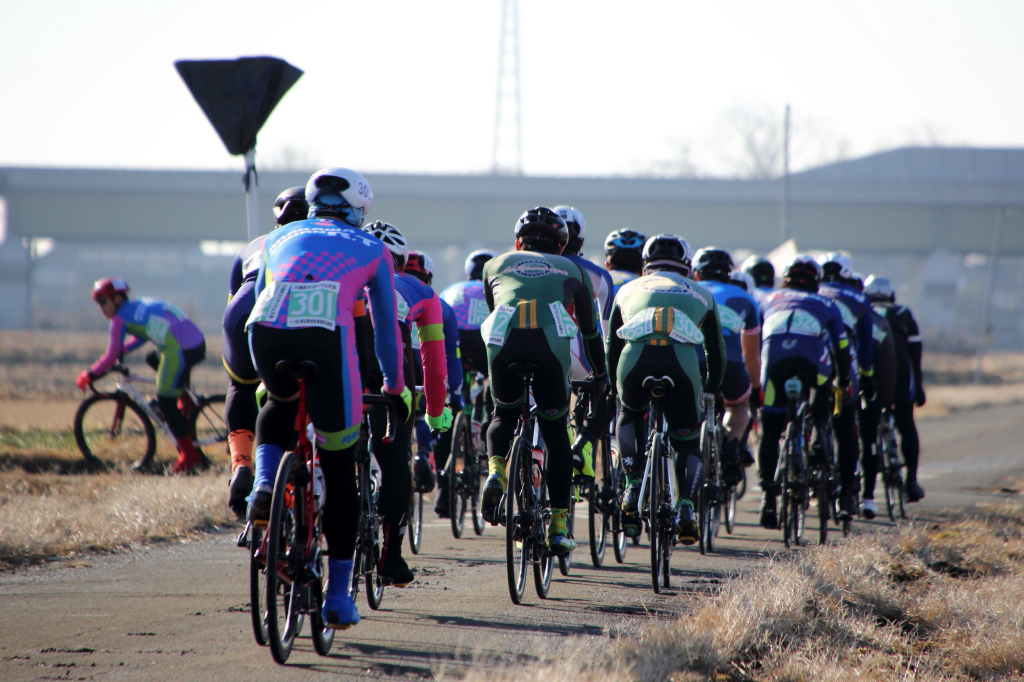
{"x":836,"y":264}
{"x":742,"y":279}
{"x":879,"y":289}
{"x":477,"y":259}
{"x":573,"y":220}
{"x":393,"y":239}
{"x":339,"y":192}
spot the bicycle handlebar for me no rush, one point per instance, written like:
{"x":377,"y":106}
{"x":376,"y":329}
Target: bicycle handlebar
{"x":587,"y":386}
{"x":389,"y":403}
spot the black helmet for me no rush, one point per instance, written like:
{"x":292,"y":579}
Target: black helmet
{"x":712,"y":263}
{"x":291,"y":206}
{"x":761,"y":270}
{"x":543,"y":225}
{"x":803,"y":272}
{"x":623,"y":239}
{"x":668,"y":249}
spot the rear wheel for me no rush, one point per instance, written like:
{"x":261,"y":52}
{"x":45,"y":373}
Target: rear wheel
{"x":518,"y":500}
{"x":257,"y":588}
{"x":460,"y":456}
{"x":416,"y":523}
{"x":619,"y":539}
{"x":282,"y":596}
{"x":209,"y":430}
{"x":654,"y":510}
{"x":110,"y":429}
{"x":565,"y":562}
{"x":323,"y":636}
{"x":543,"y":561}
{"x":597,"y":525}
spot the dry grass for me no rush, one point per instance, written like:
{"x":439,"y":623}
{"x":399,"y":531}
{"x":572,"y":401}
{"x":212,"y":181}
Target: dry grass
{"x":937,"y":602}
{"x":49,"y":515}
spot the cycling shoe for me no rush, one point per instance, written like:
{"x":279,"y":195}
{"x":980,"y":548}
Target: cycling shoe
{"x":868,"y":509}
{"x":491,"y":498}
{"x":238,"y":491}
{"x":259,"y":507}
{"x":422,"y":473}
{"x":686,"y":523}
{"x":339,"y":612}
{"x":394,"y":571}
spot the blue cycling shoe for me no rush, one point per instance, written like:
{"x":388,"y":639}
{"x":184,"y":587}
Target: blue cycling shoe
{"x":339,"y":612}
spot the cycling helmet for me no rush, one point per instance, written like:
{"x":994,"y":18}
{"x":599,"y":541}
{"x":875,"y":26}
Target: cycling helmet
{"x":879,"y":289}
{"x":420,"y":266}
{"x":712,"y":263}
{"x":623,"y":239}
{"x":856,"y":281}
{"x":539,"y":225}
{"x":573,"y":220}
{"x":475,"y":262}
{"x":836,"y":266}
{"x":393,"y":239}
{"x":761,"y":270}
{"x":291,"y":206}
{"x":107,"y":287}
{"x":668,"y":249}
{"x":341,"y":193}
{"x":743,"y":280}
{"x":803,"y":272}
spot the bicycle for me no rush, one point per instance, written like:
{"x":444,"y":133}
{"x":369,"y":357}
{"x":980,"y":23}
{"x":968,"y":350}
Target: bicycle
{"x":712,"y":494}
{"x":467,"y":466}
{"x":892,"y":467}
{"x":604,"y":499}
{"x":523,"y":508}
{"x":658,"y":490}
{"x":791,"y":473}
{"x":117,"y":427}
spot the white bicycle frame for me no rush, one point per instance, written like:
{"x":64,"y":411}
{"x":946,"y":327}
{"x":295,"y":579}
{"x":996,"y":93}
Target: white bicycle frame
{"x":124,"y":385}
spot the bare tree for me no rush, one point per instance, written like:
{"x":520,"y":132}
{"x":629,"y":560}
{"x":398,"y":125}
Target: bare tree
{"x":752,"y":140}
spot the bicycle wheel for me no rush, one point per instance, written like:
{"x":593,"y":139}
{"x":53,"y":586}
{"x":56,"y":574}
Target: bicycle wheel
{"x":458,"y":465}
{"x":705,"y":496}
{"x":543,"y":561}
{"x":416,"y":523}
{"x":475,"y":481}
{"x":565,"y":562}
{"x":519,"y":502}
{"x":322,"y":636}
{"x":282,"y":596}
{"x":209,"y":429}
{"x":597,"y":524}
{"x":110,"y":429}
{"x":619,"y":540}
{"x":257,"y":588}
{"x":666,"y":557}
{"x":824,"y":494}
{"x":654,"y":509}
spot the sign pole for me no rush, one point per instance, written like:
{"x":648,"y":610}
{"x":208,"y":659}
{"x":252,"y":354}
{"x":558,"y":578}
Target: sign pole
{"x":249,"y":181}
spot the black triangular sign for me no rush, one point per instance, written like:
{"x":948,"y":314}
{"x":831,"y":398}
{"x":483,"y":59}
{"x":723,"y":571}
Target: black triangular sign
{"x":238,"y":95}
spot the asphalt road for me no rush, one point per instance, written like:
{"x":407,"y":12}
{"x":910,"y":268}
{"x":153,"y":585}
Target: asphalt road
{"x":179,"y":611}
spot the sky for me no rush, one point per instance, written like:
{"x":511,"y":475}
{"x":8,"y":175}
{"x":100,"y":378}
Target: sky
{"x":607,"y":88}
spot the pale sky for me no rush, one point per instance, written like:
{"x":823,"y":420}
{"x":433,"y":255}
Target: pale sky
{"x":607,"y":87}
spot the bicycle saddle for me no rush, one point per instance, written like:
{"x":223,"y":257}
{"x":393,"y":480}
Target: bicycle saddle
{"x":658,"y":386}
{"x":297,"y":369}
{"x":522,"y":369}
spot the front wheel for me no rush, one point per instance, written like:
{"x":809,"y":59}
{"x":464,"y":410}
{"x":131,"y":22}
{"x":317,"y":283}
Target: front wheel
{"x":111,"y":429}
{"x":321,"y":634}
{"x":209,"y":429}
{"x":416,"y":523}
{"x":282,"y":595}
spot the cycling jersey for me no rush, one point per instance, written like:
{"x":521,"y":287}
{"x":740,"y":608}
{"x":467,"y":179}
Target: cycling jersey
{"x":235,"y":348}
{"x":467,"y":300}
{"x":312,"y":275}
{"x":419,"y":306}
{"x":620,"y":277}
{"x":147,"y":319}
{"x":737,"y":312}
{"x":856,"y":311}
{"x":759,"y":294}
{"x":600,"y":282}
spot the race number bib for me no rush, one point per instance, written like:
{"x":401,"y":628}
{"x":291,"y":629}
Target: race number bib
{"x":403,"y":307}
{"x":313,"y":304}
{"x":157,"y":328}
{"x":684,"y":330}
{"x":478,"y":311}
{"x":564,"y":324}
{"x":495,"y":327}
{"x":731,"y":320}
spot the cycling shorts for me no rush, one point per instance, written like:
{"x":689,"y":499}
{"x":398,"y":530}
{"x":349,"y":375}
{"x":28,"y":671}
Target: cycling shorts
{"x":808,"y":370}
{"x":545,"y":350}
{"x":678,"y":362}
{"x":735,"y":383}
{"x":473,"y":351}
{"x":235,"y":351}
{"x":174,"y":367}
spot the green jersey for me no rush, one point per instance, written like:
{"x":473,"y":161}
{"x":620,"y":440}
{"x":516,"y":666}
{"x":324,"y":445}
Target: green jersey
{"x":666,"y":308}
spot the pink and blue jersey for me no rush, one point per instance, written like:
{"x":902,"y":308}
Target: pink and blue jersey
{"x":467,"y":300}
{"x":419,"y":305}
{"x":737,"y":312}
{"x":148,"y":320}
{"x":312,"y":274}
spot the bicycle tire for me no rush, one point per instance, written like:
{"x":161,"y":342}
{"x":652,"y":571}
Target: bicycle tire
{"x":666,"y":559}
{"x":654,"y":510}
{"x":597,"y":526}
{"x":368,"y":553}
{"x":517,"y":560}
{"x":320,"y":633}
{"x":209,"y":429}
{"x":257,"y":589}
{"x":824,"y":505}
{"x":102,"y":441}
{"x":458,"y":464}
{"x":281,"y":632}
{"x":416,"y":523}
{"x":565,"y":562}
{"x":543,"y":561}
{"x":476,"y":480}
{"x":705,"y":505}
{"x":619,"y":540}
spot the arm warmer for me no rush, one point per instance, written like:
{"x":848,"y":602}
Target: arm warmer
{"x":593,"y":344}
{"x":430,"y":328}
{"x":615,"y":345}
{"x":114,"y":347}
{"x":866,"y":343}
{"x":714,"y":349}
{"x":384,"y":312}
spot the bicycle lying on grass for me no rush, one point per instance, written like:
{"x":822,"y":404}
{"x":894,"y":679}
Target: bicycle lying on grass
{"x":116,"y":428}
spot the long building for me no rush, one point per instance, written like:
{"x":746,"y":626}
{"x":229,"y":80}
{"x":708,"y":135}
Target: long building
{"x":925,"y":216}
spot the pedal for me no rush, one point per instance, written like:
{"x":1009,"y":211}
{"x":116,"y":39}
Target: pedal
{"x":243,"y":537}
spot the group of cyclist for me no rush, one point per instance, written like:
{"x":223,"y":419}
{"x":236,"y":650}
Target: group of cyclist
{"x":357,"y":301}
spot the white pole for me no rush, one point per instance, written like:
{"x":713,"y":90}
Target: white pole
{"x":784,"y":209}
{"x":985,"y":330}
{"x":249,"y":181}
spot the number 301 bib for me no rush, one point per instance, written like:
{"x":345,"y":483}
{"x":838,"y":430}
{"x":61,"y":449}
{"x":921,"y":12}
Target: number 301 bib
{"x":313,"y":304}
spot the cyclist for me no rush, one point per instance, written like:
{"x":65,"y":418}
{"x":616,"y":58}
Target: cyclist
{"x":743,"y":281}
{"x":312,"y":275}
{"x":763,"y":273}
{"x":858,"y":321}
{"x":531,"y":292}
{"x":741,"y":330}
{"x":908,"y":391}
{"x":871,"y":411}
{"x":179,"y":347}
{"x":657,"y":320}
{"x":419,"y":307}
{"x":240,"y":407}
{"x":422,"y":268}
{"x":623,"y":256}
{"x":801,"y":333}
{"x":604,"y":287}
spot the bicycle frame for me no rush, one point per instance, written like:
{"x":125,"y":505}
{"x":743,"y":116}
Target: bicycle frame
{"x":658,"y":426}
{"x":126,"y":386}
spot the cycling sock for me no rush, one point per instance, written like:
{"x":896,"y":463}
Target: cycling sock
{"x":240,"y":446}
{"x":496,"y":467}
{"x":339,"y":574}
{"x":557,"y":525}
{"x":268,"y":458}
{"x":188,"y":455}
{"x":634,"y":479}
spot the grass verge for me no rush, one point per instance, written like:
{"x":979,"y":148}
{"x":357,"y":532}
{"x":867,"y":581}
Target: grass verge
{"x":938,"y":601}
